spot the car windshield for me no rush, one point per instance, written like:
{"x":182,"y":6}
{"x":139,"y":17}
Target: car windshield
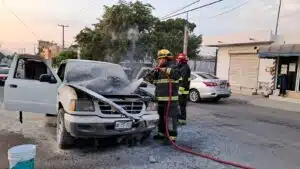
{"x":206,"y":76}
{"x":4,"y":71}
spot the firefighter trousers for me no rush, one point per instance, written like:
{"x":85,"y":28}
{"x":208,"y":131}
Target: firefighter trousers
{"x":172,"y":119}
{"x":182,"y":103}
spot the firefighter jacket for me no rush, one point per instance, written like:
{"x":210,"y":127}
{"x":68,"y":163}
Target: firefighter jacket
{"x":185,"y":78}
{"x":161,"y":81}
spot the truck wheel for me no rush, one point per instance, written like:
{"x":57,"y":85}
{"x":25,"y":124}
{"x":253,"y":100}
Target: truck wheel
{"x":64,"y":139}
{"x":146,"y":135}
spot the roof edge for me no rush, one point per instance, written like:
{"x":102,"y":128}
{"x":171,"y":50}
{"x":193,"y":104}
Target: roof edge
{"x":239,"y":44}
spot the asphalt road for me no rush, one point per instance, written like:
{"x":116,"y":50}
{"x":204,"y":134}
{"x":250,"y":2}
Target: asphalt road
{"x":260,"y":137}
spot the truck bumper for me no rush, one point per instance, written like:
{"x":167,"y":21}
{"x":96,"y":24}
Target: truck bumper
{"x":97,"y":127}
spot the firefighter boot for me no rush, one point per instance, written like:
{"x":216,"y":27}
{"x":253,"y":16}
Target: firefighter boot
{"x":159,"y":136}
{"x":181,"y":122}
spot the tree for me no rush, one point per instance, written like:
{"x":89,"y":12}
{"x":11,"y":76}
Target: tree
{"x":110,"y":36}
{"x":169,"y":34}
{"x":63,"y":56}
{"x":194,"y":45}
{"x":128,"y":30}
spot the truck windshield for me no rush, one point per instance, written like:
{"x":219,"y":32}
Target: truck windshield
{"x":86,"y":71}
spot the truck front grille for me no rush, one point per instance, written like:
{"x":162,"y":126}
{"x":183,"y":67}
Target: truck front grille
{"x":133,"y":107}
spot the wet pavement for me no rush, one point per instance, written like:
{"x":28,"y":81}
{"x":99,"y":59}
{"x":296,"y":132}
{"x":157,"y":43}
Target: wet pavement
{"x":260,"y":137}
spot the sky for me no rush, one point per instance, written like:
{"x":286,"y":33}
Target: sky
{"x":41,"y":18}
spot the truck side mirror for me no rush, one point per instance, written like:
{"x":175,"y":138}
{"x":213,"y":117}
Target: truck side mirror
{"x":47,"y":78}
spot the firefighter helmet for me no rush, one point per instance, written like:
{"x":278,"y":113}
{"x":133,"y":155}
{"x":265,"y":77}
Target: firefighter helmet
{"x":164,"y":53}
{"x":182,"y":57}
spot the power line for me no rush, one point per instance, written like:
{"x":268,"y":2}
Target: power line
{"x":202,"y":6}
{"x":27,"y":27}
{"x":230,"y":10}
{"x":177,"y":10}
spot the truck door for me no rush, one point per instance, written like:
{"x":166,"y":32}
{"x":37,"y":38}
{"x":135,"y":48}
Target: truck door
{"x":31,"y":86}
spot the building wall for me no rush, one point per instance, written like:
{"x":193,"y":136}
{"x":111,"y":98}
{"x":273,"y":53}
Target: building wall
{"x":223,"y":61}
{"x":265,"y":77}
{"x":223,"y":64}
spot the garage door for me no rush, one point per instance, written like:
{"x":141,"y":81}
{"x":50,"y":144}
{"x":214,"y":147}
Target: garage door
{"x":243,"y":71}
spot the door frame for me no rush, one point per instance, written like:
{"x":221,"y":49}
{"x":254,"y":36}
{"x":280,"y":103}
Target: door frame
{"x":298,"y":75}
{"x":12,"y":103}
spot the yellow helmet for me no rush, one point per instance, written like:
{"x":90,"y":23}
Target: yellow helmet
{"x":164,"y":53}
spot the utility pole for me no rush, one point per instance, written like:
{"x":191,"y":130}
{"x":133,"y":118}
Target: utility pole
{"x":78,"y":53}
{"x":186,"y":34}
{"x":34,"y":48}
{"x":278,"y":16}
{"x":63,"y":34}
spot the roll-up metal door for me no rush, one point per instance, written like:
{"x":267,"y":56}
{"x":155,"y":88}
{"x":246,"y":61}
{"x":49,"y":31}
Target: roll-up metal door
{"x":243,"y":71}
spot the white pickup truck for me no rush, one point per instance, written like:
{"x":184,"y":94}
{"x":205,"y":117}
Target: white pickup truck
{"x":90,"y":98}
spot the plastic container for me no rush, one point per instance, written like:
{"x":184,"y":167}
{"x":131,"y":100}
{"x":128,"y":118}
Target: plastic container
{"x":22,"y":156}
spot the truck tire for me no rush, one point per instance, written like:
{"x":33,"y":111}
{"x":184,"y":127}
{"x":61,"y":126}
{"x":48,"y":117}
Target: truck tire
{"x":145,"y":136}
{"x":64,"y":139}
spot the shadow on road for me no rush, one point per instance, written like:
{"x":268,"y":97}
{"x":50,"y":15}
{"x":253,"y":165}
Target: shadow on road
{"x":221,"y":102}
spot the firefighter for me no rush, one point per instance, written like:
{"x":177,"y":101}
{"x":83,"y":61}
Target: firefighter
{"x":160,"y":78}
{"x":184,"y":86}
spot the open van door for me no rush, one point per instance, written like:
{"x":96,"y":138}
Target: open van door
{"x":31,"y":86}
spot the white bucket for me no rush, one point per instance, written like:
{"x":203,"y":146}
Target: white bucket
{"x":22,"y":156}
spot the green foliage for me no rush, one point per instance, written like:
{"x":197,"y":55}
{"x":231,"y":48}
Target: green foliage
{"x":63,"y":56}
{"x":110,"y":36}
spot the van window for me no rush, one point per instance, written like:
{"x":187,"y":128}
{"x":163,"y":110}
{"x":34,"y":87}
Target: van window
{"x":30,"y":69}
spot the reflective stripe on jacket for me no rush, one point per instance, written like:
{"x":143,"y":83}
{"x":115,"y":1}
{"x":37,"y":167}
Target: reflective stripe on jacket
{"x":161,"y":82}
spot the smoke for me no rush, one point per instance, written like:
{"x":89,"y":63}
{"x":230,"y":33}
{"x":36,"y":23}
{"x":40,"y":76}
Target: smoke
{"x":132,"y":36}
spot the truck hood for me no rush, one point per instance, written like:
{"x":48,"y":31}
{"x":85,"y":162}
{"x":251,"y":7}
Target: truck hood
{"x":109,"y":86}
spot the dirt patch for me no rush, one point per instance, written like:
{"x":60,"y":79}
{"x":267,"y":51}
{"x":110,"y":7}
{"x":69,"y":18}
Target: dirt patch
{"x":8,"y":140}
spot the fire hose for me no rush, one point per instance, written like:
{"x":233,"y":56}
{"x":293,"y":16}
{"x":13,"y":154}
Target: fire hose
{"x":186,"y":150}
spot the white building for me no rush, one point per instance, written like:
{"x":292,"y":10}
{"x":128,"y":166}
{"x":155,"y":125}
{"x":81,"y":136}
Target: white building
{"x":238,"y":61}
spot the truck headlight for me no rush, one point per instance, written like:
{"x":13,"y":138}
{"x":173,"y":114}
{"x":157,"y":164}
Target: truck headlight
{"x":151,"y":106}
{"x":82,"y":105}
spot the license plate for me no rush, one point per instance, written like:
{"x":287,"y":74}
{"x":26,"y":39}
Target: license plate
{"x":222,"y":86}
{"x":121,"y":125}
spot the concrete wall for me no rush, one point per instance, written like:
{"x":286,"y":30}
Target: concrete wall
{"x":223,"y":63}
{"x":263,"y":75}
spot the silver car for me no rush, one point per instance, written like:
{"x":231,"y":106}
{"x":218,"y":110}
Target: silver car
{"x":205,"y":86}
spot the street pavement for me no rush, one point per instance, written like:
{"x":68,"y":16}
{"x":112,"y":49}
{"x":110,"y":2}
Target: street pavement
{"x":233,"y":130}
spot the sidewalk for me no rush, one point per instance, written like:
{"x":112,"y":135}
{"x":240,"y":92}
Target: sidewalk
{"x":265,"y":102}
